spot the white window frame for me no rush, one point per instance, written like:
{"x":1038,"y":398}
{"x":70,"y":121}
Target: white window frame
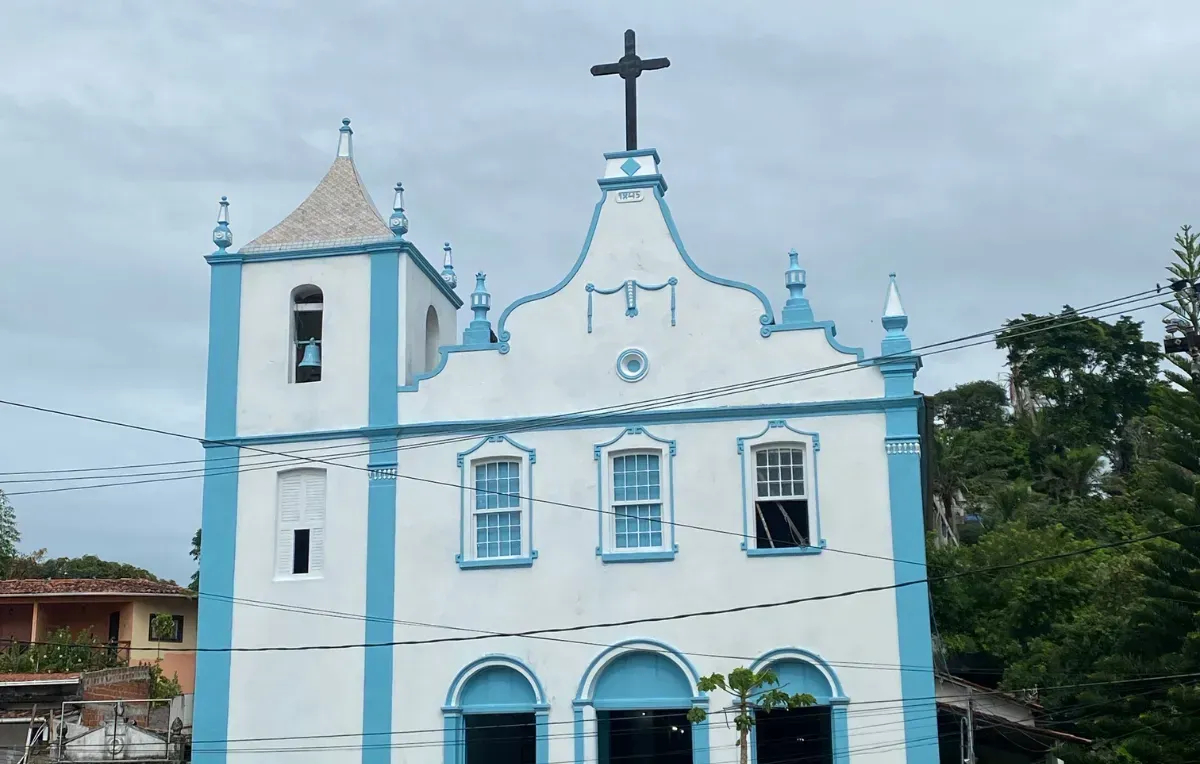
{"x":779,"y":434}
{"x":630,"y":442}
{"x":493,"y":449}
{"x":313,"y":487}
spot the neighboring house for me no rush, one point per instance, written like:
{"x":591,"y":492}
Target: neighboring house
{"x":117,"y":612}
{"x":331,"y":335}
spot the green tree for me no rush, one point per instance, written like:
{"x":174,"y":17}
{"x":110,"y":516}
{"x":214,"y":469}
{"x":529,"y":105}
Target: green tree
{"x":10,"y":536}
{"x":194,"y":585}
{"x":1093,"y":378}
{"x":752,"y":691}
{"x":972,"y":406}
{"x":60,"y":652}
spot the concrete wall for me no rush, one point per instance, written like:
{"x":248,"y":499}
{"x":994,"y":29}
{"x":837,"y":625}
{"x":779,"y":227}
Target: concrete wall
{"x":173,"y":656}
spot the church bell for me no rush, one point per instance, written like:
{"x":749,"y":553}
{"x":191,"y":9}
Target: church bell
{"x":312,"y":356}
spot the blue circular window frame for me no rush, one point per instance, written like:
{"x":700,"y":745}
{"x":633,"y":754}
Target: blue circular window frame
{"x":629,"y":355}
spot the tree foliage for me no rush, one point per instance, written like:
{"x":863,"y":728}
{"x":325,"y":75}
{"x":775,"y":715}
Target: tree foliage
{"x":60,"y":652}
{"x":1099,"y":447}
{"x":752,"y":691}
{"x":194,"y":584}
{"x":10,"y":536}
{"x":36,"y":565}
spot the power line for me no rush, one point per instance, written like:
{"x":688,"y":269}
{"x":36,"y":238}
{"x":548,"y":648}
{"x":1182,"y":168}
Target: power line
{"x":539,"y":422}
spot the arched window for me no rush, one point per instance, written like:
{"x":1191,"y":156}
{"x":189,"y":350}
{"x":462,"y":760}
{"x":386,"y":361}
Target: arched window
{"x":431,"y":338}
{"x":308,"y":308}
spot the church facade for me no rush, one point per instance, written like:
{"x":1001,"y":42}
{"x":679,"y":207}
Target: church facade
{"x":525,"y":534}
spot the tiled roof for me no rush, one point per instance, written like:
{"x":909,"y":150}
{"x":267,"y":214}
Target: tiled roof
{"x":21,"y":678}
{"x":338,"y":211}
{"x":44,"y":586}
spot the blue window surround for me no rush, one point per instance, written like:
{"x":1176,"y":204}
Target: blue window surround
{"x":834,"y":697}
{"x":453,"y":735}
{"x":490,"y":448}
{"x":778,"y":431}
{"x":645,"y":442}
{"x":585,"y":698}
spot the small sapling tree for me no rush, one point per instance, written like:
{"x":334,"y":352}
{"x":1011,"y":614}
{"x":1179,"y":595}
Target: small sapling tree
{"x":751,"y":691}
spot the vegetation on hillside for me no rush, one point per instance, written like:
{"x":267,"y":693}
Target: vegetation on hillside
{"x":1098,"y":447}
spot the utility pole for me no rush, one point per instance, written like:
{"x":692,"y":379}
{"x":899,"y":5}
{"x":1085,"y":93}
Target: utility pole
{"x":970,"y":728}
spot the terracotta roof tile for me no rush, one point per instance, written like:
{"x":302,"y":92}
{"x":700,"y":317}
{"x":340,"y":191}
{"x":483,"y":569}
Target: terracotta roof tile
{"x":35,"y":586}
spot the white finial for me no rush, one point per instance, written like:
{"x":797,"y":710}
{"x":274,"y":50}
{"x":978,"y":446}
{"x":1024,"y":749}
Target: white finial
{"x":892,"y":307}
{"x":344,"y":147}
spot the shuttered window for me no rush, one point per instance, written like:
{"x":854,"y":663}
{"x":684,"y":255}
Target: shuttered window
{"x":300,"y":540}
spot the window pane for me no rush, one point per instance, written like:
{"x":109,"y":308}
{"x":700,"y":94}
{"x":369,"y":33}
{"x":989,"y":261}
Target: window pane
{"x":498,"y":485}
{"x":300,"y":551}
{"x":498,"y":534}
{"x":638,"y":526}
{"x":783,"y":476}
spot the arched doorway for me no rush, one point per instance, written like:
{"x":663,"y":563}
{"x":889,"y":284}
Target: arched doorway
{"x":496,"y":713}
{"x":432,"y":338}
{"x":632,"y":704}
{"x":818,"y":734}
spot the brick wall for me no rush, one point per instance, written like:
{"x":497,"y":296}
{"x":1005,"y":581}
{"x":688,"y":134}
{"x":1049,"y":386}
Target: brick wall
{"x":131,"y":683}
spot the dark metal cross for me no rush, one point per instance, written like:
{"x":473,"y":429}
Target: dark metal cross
{"x":630,"y":67}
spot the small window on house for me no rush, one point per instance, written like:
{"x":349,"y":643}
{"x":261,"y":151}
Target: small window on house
{"x":780,"y":498}
{"x":637,"y":502}
{"x":497,"y":509}
{"x":432,"y":339}
{"x":173,"y":635}
{"x":300,"y":543}
{"x":308,"y":309}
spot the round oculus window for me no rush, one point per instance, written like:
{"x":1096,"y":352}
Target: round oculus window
{"x":632,"y":365}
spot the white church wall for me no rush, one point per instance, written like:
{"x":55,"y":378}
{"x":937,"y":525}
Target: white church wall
{"x":308,"y":692}
{"x":418,"y":296}
{"x":559,"y":366}
{"x":268,"y":402}
{"x":568,"y":584}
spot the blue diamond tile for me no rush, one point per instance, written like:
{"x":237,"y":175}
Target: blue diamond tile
{"x":630,"y":166}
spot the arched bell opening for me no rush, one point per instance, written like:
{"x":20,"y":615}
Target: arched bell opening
{"x":308,"y":310}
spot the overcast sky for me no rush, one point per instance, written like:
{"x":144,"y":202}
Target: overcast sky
{"x":1001,"y":157}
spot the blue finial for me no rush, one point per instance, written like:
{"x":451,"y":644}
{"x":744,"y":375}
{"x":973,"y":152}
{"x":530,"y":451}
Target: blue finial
{"x":398,"y":222}
{"x":480,"y":330}
{"x":895,"y":321}
{"x":448,"y":274}
{"x":345,"y":149}
{"x":796,"y":310}
{"x":222,"y":236}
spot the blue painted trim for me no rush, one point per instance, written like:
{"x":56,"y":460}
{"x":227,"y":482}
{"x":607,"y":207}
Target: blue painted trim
{"x":494,"y":659}
{"x":502,"y":334}
{"x":634,"y":153}
{"x":218,"y":512}
{"x":768,"y":315}
{"x":838,"y":702}
{"x":830,"y":336}
{"x":630,"y":287}
{"x":583,"y":693}
{"x":663,"y":556}
{"x":648,"y":418}
{"x":454,"y":736}
{"x":805,"y":656}
{"x":577,"y":713}
{"x":641,"y":357}
{"x":396,"y":245}
{"x":527,"y":458}
{"x":812,"y":477}
{"x":453,"y":739}
{"x":444,"y":352}
{"x":652,"y":181}
{"x":902,"y":446}
{"x":382,"y":411}
{"x":700,"y":742}
{"x":542,"y":737}
{"x":648,"y":703}
{"x":601,"y":450}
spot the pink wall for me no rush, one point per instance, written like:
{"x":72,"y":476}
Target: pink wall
{"x":15,"y":622}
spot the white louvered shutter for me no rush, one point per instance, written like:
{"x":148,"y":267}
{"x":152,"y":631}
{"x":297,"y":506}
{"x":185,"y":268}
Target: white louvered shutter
{"x":290,"y":513}
{"x":314,"y":519}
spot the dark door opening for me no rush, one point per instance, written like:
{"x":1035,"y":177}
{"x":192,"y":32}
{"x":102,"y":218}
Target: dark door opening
{"x":501,"y":739}
{"x":114,"y":626}
{"x":795,"y":736}
{"x":653,"y":737}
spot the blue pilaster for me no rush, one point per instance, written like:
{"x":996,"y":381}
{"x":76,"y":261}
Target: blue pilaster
{"x":378,"y":667}
{"x":903,"y":447}
{"x":542,"y":731}
{"x":578,"y":727}
{"x":453,"y":738}
{"x":700,"y":745}
{"x":219,"y":503}
{"x":841,"y":730}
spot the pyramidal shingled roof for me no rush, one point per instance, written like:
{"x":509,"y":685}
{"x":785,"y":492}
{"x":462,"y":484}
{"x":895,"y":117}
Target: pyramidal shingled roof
{"x":338,"y":212}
